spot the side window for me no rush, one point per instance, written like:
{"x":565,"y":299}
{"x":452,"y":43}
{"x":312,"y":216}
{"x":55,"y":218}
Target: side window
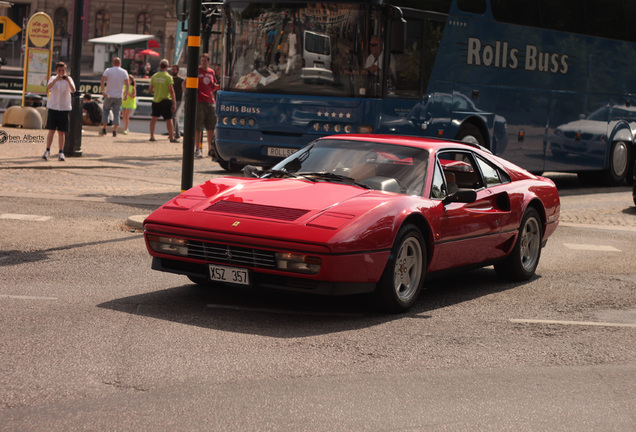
{"x":492,"y":175}
{"x":407,"y":66}
{"x":461,"y":169}
{"x":438,"y":190}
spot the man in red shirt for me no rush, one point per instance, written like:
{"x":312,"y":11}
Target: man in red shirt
{"x":206,"y":108}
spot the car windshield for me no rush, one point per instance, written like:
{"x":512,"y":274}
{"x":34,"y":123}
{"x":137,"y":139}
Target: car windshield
{"x":386,"y":167}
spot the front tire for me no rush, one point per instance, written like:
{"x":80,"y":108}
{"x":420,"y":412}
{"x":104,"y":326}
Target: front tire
{"x":524,"y":258}
{"x":403,"y":276}
{"x":618,"y":163}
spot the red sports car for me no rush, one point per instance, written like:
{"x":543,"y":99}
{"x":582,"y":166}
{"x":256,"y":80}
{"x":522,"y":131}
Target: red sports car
{"x":359,"y":214}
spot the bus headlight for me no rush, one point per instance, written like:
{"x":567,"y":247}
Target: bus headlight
{"x":168,"y":245}
{"x":298,"y":263}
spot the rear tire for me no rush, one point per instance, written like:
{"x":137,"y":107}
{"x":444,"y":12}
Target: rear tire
{"x":524,"y":258}
{"x":403,"y":277}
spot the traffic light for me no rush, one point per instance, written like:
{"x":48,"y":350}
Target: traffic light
{"x":8,"y":28}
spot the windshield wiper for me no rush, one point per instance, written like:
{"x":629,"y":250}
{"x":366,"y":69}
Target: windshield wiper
{"x":331,"y":176}
{"x":281,"y":173}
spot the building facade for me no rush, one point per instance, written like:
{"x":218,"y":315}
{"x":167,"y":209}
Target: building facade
{"x":101,"y":18}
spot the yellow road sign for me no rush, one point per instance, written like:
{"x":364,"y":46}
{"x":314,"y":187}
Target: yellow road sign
{"x":8,"y":28}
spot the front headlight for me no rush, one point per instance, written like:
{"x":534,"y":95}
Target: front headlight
{"x":168,"y":245}
{"x":297,"y":263}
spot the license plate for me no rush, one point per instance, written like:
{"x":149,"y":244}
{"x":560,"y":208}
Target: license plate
{"x":280,"y":151}
{"x":234,"y":275}
{"x":319,"y":65}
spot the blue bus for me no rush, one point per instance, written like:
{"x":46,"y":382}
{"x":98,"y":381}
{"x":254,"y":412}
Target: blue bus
{"x":546,"y":85}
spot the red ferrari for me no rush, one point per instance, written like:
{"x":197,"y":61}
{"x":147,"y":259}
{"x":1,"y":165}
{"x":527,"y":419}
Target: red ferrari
{"x":353,"y":214}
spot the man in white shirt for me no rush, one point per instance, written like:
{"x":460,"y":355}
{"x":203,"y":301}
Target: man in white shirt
{"x":116,"y":80}
{"x":374,"y":61}
{"x":59,"y":103}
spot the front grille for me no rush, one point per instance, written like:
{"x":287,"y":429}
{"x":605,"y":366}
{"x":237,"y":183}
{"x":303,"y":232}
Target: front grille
{"x":256,"y":210}
{"x":231,"y":255}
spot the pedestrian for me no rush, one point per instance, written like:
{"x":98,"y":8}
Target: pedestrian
{"x":116,"y":88}
{"x":129,"y":104}
{"x":178,"y":93}
{"x":59,"y":104}
{"x":91,"y":111}
{"x":164,"y":102}
{"x":206,"y":108}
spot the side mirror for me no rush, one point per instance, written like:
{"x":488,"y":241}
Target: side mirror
{"x":461,"y":196}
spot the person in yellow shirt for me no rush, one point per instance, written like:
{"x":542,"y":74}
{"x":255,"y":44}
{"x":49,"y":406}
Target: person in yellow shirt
{"x":164,"y":102}
{"x":129,"y":104}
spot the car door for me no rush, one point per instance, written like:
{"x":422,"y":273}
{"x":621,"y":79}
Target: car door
{"x":467,"y":233}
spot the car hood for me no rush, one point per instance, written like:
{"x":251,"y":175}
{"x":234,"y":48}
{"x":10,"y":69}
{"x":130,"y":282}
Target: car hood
{"x":291,"y":209}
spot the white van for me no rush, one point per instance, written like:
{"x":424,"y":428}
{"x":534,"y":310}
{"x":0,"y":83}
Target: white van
{"x":316,"y":56}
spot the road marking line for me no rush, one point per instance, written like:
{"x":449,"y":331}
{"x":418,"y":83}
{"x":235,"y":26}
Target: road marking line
{"x":32,"y":218}
{"x":26,"y":297}
{"x":282,"y":311}
{"x":599,"y":227}
{"x":589,"y":247}
{"x":579,"y":323}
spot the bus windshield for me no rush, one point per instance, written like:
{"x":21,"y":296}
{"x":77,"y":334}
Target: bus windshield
{"x":302,"y":48}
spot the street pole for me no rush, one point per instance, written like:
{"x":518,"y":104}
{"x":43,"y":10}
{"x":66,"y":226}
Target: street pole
{"x":191,"y":93}
{"x":73,"y":143}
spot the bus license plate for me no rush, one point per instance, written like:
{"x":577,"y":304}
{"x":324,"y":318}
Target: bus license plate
{"x":234,"y":275}
{"x":280,"y":151}
{"x":320,"y":65}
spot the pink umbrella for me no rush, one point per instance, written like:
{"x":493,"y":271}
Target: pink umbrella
{"x":149,"y":52}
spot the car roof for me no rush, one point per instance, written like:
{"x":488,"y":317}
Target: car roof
{"x":433,"y":144}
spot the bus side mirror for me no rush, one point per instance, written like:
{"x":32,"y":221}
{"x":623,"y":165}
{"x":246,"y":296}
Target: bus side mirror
{"x":398,"y":36}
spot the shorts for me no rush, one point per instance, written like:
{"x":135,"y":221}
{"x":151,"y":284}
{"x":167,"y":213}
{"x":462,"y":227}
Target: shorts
{"x":206,"y":116}
{"x":57,"y":120}
{"x":162,"y":109}
{"x":114,"y":105}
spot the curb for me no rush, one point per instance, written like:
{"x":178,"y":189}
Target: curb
{"x":136,"y":221}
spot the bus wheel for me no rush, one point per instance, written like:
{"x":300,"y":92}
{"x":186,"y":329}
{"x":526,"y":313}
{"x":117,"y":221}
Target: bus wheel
{"x":470,"y":133}
{"x":619,"y":163}
{"x":230,"y":166}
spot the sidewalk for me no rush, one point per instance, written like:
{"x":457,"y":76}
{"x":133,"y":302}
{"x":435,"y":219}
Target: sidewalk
{"x":23,"y":148}
{"x":126,"y":169}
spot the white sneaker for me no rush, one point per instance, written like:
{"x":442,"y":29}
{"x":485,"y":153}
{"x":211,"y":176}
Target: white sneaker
{"x":199,"y":154}
{"x":46,"y":155}
{"x":61,"y":157}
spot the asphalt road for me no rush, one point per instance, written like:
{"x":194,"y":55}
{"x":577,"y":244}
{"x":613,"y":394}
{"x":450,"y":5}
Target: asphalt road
{"x":92,"y":339}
